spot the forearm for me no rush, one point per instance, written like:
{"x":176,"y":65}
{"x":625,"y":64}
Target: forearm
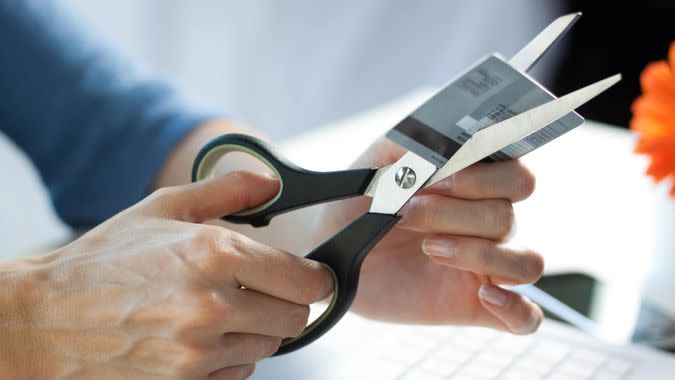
{"x":19,"y":358}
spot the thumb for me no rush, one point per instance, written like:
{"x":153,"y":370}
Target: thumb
{"x":215,"y":197}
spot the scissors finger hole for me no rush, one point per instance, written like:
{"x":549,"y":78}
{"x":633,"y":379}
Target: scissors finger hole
{"x":317,"y":315}
{"x":224,"y":158}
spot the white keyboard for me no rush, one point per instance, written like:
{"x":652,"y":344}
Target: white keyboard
{"x":477,"y":354}
{"x":359,"y":349}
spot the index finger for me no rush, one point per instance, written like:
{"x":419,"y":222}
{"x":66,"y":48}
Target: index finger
{"x":503,"y":179}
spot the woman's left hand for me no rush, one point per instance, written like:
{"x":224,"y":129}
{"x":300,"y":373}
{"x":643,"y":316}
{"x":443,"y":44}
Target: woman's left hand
{"x":443,"y":261}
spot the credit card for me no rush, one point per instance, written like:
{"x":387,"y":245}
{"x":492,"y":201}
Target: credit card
{"x":488,"y":92}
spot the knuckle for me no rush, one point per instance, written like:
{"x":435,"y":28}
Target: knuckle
{"x":239,"y":192}
{"x":202,"y":302}
{"x":206,"y":310}
{"x":502,"y":217}
{"x":220,"y":247}
{"x":187,"y":363}
{"x":163,"y":194}
{"x":424,"y":210}
{"x":235,"y":243}
{"x":186,"y":327}
{"x":487,"y":256}
{"x":465,"y":179}
{"x":207,"y":237}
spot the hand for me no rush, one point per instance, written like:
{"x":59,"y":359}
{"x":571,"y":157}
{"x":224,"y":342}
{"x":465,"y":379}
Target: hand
{"x":151,"y":294}
{"x":443,"y":260}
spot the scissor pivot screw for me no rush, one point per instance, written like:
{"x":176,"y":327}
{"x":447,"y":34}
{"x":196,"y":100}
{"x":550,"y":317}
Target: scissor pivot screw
{"x":405,"y":177}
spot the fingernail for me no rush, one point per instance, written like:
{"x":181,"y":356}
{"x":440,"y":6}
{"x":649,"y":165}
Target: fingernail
{"x":493,"y":294}
{"x":442,"y":247}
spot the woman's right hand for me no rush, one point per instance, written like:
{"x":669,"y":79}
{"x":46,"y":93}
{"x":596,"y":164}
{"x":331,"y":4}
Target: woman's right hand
{"x":153,"y":294}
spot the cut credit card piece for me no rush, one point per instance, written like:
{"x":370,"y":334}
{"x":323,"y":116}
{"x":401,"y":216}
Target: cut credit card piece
{"x":489,"y":92}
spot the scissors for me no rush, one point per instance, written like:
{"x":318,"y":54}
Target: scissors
{"x":390,"y":187}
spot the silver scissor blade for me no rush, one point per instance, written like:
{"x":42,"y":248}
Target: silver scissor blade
{"x":498,"y":136}
{"x":528,"y":56}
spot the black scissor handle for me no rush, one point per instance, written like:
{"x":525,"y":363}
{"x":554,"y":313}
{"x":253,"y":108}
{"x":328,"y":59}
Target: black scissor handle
{"x":343,"y":254}
{"x":299,"y":187}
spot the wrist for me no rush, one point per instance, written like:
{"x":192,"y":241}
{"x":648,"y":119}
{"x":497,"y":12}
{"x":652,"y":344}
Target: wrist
{"x":19,"y":306}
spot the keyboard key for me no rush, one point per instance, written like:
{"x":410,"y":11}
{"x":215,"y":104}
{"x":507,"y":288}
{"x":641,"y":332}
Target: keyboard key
{"x":440,"y":367}
{"x":513,"y":344}
{"x":564,"y":376}
{"x":449,"y":352}
{"x":519,"y":374}
{"x":463,"y":376}
{"x":404,"y":354}
{"x":606,"y":375}
{"x":481,"y":334}
{"x":437,"y":332}
{"x":580,"y":369}
{"x":479,"y":371}
{"x":619,"y":366}
{"x":468,"y":343}
{"x":550,"y":351}
{"x":369,"y":369}
{"x":419,"y":374}
{"x":590,"y":356}
{"x":533,"y":365}
{"x":495,"y":358}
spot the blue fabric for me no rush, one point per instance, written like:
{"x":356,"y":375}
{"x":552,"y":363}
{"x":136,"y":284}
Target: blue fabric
{"x":97,"y":131}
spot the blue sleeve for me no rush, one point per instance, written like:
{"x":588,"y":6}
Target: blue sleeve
{"x":96,"y":130}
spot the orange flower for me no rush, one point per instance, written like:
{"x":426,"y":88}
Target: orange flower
{"x":654,"y":118}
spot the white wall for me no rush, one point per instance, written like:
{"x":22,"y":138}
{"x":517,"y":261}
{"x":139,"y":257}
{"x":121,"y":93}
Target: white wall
{"x":287,"y":66}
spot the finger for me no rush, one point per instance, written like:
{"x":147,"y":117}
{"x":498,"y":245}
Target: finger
{"x":258,"y":313}
{"x":518,"y":314}
{"x":379,"y":154}
{"x":490,"y":218}
{"x":505,"y":179}
{"x":236,"y":349}
{"x":504,"y":265}
{"x":215,"y":197}
{"x":277,"y":273}
{"x":233,"y":373}
{"x":212,"y":313}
